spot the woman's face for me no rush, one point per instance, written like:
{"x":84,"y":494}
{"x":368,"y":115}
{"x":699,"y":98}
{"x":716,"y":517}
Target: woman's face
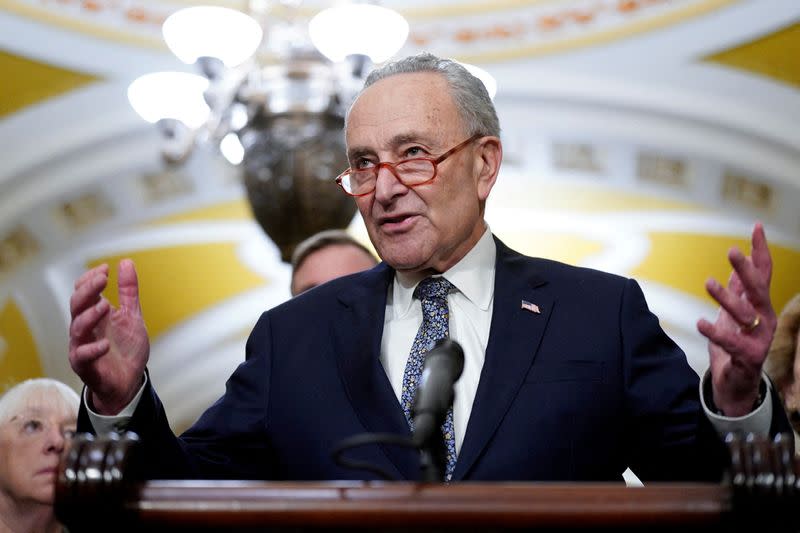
{"x":791,"y":390}
{"x":32,"y":440}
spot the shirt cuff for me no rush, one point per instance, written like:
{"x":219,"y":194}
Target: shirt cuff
{"x":103,"y":424}
{"x":757,"y":421}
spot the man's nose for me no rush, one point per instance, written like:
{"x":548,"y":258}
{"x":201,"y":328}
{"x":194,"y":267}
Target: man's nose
{"x":388,"y":185}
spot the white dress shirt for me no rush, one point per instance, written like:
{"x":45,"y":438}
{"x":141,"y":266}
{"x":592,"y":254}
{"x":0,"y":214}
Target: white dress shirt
{"x":470,"y":320}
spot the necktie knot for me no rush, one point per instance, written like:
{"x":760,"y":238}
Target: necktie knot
{"x":433,"y":288}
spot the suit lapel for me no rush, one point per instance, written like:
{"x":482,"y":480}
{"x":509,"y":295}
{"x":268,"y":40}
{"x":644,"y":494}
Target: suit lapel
{"x":357,"y":345}
{"x":513,"y":341}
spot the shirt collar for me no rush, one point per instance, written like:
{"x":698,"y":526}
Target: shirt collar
{"x":473,"y":276}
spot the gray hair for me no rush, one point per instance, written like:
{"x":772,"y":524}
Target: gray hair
{"x":782,"y":352}
{"x":323,"y":239}
{"x":471,"y":98}
{"x":30,"y":391}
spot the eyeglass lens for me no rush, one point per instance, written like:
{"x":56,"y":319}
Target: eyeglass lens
{"x":410,"y":172}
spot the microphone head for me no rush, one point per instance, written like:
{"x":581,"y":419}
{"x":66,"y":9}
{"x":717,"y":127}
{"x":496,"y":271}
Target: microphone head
{"x":444,"y":364}
{"x":452,"y":354}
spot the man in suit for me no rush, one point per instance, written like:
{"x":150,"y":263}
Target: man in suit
{"x":568,"y":376}
{"x":325,"y":256}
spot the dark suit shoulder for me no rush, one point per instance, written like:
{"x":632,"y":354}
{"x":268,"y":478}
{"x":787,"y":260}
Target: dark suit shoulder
{"x":559,"y":270}
{"x":328,"y":296}
{"x":551,"y":271}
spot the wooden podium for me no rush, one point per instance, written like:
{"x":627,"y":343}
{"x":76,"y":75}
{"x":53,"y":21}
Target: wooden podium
{"x":93,"y":495}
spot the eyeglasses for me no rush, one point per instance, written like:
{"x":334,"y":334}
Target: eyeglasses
{"x":410,"y":172}
{"x":32,"y":425}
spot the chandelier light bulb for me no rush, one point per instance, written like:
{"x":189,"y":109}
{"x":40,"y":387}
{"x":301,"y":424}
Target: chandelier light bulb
{"x":362,"y":29}
{"x":232,"y":149}
{"x":175,"y":95}
{"x":488,"y":80}
{"x":212,"y":31}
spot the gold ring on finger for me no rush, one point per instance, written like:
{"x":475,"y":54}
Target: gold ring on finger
{"x":754,"y":324}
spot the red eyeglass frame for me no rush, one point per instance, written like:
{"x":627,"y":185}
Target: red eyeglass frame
{"x":391,"y":166}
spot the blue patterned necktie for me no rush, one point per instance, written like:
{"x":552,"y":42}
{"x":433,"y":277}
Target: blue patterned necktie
{"x":435,"y":326}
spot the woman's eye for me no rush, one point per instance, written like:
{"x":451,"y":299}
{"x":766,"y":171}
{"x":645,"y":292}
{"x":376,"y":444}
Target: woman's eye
{"x":32,"y":426}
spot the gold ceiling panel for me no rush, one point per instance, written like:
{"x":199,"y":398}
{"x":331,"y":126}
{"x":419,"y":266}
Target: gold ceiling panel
{"x":181,"y":281}
{"x":568,"y":247}
{"x":233,"y":210}
{"x":580,"y":197}
{"x":27,"y":82}
{"x":19,"y":357}
{"x":684,"y":261}
{"x":776,"y":55}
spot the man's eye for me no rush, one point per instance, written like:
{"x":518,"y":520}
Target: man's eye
{"x":362,"y":163}
{"x":69,"y":433}
{"x":415,"y":151}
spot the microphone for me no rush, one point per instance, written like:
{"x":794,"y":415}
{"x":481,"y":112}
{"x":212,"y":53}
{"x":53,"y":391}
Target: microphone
{"x":443,"y":366}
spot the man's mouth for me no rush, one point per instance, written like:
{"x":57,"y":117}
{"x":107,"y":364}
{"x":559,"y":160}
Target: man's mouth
{"x":396,"y":223}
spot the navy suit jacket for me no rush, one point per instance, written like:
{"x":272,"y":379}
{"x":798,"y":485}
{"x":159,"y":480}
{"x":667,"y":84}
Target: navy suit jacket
{"x":580,"y":391}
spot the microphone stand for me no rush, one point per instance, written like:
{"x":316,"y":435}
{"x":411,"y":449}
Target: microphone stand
{"x":443,"y":366}
{"x":432,"y":458}
{"x":444,"y":363}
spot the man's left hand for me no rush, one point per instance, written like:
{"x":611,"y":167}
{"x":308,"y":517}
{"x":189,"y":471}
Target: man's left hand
{"x":739,"y":339}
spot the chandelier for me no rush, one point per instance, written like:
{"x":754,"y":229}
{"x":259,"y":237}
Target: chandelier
{"x":271,"y":95}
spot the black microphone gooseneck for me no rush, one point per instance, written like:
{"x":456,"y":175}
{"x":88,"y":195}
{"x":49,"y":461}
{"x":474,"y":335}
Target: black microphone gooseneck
{"x":443,"y":366}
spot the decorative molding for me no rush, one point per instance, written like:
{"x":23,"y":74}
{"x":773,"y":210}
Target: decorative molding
{"x":478,"y":33}
{"x":164,"y":186}
{"x":17,"y":247}
{"x":660,"y":169}
{"x":582,"y":157}
{"x":83,"y":211}
{"x":747,"y":192}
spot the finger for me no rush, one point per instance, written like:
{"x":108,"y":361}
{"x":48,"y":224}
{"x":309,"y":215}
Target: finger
{"x":704,"y":326}
{"x":707,"y":329}
{"x":84,"y":324}
{"x":88,"y":294}
{"x":754,"y":283}
{"x":762,"y":258}
{"x":91,"y":273}
{"x":128,"y":286}
{"x":730,"y":301}
{"x":732,"y":342}
{"x":760,"y":314}
{"x":83,"y":355}
{"x":735,"y":284}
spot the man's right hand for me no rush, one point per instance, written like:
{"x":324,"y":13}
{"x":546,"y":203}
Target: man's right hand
{"x":108,"y":347}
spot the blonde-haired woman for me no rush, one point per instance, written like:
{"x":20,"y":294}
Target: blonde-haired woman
{"x":37,"y":420}
{"x":783,"y":361}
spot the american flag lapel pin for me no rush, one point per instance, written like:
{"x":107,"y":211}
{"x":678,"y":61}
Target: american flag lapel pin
{"x":533,"y":308}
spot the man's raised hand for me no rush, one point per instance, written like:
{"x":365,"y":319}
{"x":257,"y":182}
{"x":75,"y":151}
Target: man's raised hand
{"x":108,"y":347}
{"x":739,"y":339}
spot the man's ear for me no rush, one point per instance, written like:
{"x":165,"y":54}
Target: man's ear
{"x":487,"y":164}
